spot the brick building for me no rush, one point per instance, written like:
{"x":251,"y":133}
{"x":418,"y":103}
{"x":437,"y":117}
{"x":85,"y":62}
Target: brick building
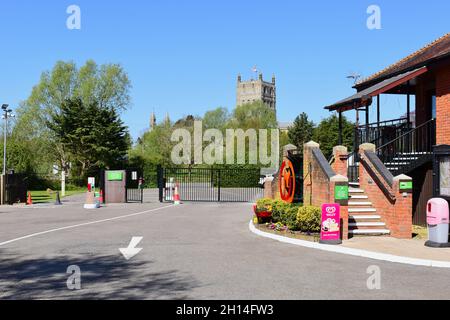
{"x":405,"y":146}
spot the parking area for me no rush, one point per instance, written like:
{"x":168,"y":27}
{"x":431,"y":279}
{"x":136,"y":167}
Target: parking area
{"x":192,"y":251}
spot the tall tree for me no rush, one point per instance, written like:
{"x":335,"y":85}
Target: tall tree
{"x":107,"y":86}
{"x":301,"y":131}
{"x":327,"y":134}
{"x":216,"y":119}
{"x":92,"y":135}
{"x":255,"y":115}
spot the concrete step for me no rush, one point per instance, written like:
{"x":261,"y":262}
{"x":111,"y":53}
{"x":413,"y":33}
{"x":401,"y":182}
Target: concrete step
{"x":355,"y":190}
{"x":362,"y":210}
{"x":406,"y":159}
{"x":353,"y":184}
{"x":355,"y":196}
{"x":364,"y":217}
{"x":369,"y":232}
{"x":387,"y":164}
{"x":366,"y":224}
{"x":360,"y":203}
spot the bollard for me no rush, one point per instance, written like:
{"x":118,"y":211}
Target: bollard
{"x":58,"y":199}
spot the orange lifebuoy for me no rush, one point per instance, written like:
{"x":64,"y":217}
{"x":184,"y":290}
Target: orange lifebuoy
{"x":287,"y":181}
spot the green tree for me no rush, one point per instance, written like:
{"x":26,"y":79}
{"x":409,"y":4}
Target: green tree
{"x":301,"y":131}
{"x":216,"y":119}
{"x":92,"y":135}
{"x":107,"y":86}
{"x":255,"y":115}
{"x":327,"y":134}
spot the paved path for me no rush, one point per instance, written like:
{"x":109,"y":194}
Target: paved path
{"x":193,"y":251}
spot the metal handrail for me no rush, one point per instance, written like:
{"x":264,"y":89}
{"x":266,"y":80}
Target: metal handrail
{"x":405,"y":134}
{"x":375,"y":124}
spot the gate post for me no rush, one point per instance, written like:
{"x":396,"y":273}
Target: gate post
{"x":160,"y":179}
{"x":218,"y":185}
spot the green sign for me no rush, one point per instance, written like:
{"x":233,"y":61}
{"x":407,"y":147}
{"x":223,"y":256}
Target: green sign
{"x":115,"y":176}
{"x":341,"y":192}
{"x":406,"y":185}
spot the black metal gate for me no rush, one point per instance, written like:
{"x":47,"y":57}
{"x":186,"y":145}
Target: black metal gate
{"x":210,"y":184}
{"x":15,"y":188}
{"x":134,"y":191}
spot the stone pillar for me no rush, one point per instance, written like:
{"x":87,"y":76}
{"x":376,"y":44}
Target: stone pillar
{"x":401,"y":222}
{"x":339,"y":165}
{"x":363,"y":176}
{"x":268,"y":188}
{"x":307,"y":174}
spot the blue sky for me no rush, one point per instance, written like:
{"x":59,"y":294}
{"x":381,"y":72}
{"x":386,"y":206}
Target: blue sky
{"x":183,"y":56}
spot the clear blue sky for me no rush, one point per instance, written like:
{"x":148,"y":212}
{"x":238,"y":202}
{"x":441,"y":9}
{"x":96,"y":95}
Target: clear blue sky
{"x":183,"y":56}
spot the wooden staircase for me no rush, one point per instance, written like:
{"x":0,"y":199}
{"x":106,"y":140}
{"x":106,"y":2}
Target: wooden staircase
{"x":363,"y":218}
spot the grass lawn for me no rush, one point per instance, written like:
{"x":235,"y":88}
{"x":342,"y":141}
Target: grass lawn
{"x":43,"y":196}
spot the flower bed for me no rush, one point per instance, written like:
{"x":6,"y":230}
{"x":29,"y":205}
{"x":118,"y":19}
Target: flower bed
{"x":281,"y":230}
{"x":289,"y":217}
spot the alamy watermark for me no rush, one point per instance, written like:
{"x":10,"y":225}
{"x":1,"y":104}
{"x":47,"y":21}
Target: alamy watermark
{"x":374,"y":20}
{"x":374,"y":281}
{"x":74,"y":280}
{"x":237,"y":147}
{"x":73,"y":22}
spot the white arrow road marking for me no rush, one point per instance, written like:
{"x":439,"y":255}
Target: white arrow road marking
{"x":131,"y":251}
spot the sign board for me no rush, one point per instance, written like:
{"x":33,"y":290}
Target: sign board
{"x":341,"y":194}
{"x":406,"y":186}
{"x":115,"y":176}
{"x":91,"y":181}
{"x":330,"y":231}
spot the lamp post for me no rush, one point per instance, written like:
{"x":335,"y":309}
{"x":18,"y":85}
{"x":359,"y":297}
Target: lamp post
{"x":7,"y":113}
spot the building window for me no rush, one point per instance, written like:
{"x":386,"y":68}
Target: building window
{"x":433,"y":107}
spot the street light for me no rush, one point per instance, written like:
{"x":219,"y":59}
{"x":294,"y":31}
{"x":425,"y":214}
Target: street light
{"x":7,"y":113}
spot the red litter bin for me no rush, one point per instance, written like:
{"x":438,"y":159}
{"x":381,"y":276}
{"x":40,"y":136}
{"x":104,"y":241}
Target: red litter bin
{"x":438,"y":223}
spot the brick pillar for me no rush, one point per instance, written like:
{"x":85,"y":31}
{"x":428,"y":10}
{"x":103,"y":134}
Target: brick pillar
{"x":339,"y":165}
{"x":268,"y":188}
{"x":401,"y":223}
{"x":363,"y":176}
{"x":340,"y":179}
{"x":443,"y":105}
{"x":307,"y":182}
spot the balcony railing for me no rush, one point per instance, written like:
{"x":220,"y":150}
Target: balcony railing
{"x":380,"y":133}
{"x":410,"y":149}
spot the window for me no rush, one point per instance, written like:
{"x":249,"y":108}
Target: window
{"x":433,"y":107}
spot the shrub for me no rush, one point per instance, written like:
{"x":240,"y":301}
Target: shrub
{"x":289,"y":217}
{"x":278,"y":209}
{"x":309,"y":219}
{"x":264,"y":204}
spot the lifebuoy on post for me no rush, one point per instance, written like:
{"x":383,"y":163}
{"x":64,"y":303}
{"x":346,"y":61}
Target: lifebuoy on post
{"x":291,"y":180}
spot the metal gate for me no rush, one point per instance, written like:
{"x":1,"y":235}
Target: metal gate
{"x":15,"y":188}
{"x":134,"y":191}
{"x":210,"y":184}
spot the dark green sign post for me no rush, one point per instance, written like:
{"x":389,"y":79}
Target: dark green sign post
{"x":341,"y":194}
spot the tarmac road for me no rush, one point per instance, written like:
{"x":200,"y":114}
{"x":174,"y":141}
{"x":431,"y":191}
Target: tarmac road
{"x":192,"y":251}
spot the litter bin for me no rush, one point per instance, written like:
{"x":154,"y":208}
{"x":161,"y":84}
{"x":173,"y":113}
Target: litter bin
{"x":438,"y":223}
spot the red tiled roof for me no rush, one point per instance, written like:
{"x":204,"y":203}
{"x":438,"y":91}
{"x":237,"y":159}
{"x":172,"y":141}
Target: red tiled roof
{"x":434,"y":50}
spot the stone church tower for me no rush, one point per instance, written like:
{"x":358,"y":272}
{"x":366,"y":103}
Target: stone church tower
{"x":254,"y":90}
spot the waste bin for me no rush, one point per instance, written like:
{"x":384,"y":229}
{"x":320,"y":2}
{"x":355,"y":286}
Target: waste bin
{"x":438,"y":223}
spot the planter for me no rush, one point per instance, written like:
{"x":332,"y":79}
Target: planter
{"x":262,"y":214}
